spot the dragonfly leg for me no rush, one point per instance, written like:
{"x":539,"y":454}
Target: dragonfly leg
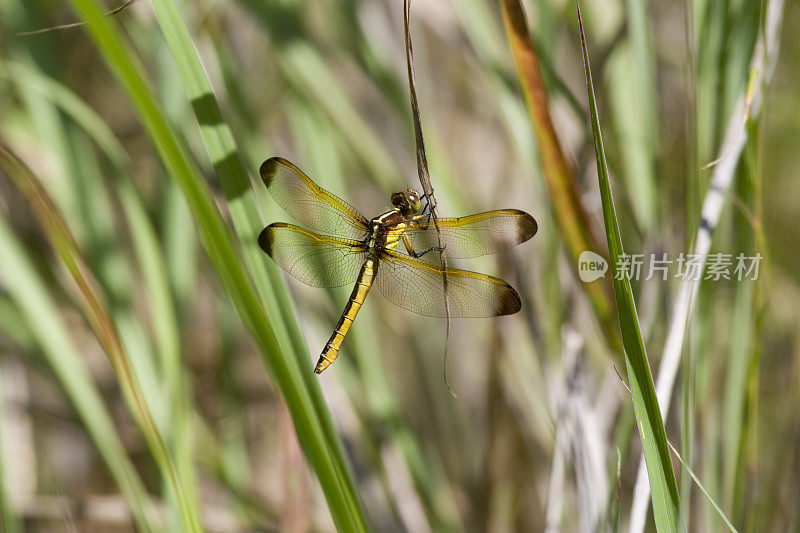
{"x":427,"y":211}
{"x":430,"y":202}
{"x":415,"y":254}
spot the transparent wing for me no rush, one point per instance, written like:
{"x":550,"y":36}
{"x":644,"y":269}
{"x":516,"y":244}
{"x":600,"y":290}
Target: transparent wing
{"x":419,"y":287}
{"x":309,"y":203}
{"x":475,"y":235}
{"x":314,"y":259}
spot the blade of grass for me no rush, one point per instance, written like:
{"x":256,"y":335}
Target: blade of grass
{"x":735,"y":408}
{"x":227,"y":160}
{"x":764,"y":57}
{"x":125,"y":5}
{"x":699,"y":484}
{"x":639,"y":114}
{"x":179,"y":432}
{"x":564,"y":196}
{"x":741,"y":399}
{"x":144,"y":239}
{"x":173,"y":388}
{"x":9,"y":518}
{"x":424,"y":175}
{"x":100,"y":320}
{"x":108,"y":259}
{"x":15,"y":329}
{"x":231,"y":454}
{"x":703,"y":489}
{"x":106,"y":256}
{"x":71,"y":104}
{"x":33,"y":299}
{"x":309,"y":414}
{"x":180,"y":247}
{"x":691,"y":164}
{"x":83,"y":198}
{"x":309,"y":74}
{"x":628,"y":105}
{"x":643,"y":395}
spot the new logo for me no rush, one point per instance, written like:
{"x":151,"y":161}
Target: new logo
{"x":591,"y":266}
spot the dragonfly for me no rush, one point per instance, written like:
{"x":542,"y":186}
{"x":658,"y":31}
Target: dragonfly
{"x":339,"y":246}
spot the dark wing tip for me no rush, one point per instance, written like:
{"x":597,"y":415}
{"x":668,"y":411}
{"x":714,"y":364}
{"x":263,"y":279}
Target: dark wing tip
{"x":527,"y":227}
{"x":269,"y":168}
{"x":510,"y":303}
{"x":265,"y":239}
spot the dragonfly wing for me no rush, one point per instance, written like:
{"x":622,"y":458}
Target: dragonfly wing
{"x":309,"y":203}
{"x":314,"y":259}
{"x":420,"y":287}
{"x":475,"y":235}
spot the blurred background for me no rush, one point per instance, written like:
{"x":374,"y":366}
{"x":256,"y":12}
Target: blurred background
{"x":541,"y":435}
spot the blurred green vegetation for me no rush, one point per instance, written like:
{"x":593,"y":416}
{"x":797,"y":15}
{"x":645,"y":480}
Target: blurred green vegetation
{"x":146,"y":129}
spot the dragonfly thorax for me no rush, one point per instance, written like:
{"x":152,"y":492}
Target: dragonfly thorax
{"x":386,"y":231}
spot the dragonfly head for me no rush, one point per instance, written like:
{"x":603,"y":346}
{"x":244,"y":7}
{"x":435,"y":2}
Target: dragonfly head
{"x":407,"y":201}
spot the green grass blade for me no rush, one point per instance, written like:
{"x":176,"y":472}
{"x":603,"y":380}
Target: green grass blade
{"x":9,"y":518}
{"x":703,"y":489}
{"x":102,"y":322}
{"x":35,"y":304}
{"x":314,"y":433}
{"x":638,"y":115}
{"x":247,"y":219}
{"x":179,"y":433}
{"x":145,"y":241}
{"x":309,"y":74}
{"x":651,"y":427}
{"x":569,"y":214}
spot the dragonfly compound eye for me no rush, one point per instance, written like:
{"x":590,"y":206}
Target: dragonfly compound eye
{"x":412,"y":201}
{"x":398,"y":199}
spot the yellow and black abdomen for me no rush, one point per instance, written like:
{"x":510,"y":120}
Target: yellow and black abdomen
{"x":357,"y":297}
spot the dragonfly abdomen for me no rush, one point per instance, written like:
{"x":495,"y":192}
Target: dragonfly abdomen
{"x":357,"y":297}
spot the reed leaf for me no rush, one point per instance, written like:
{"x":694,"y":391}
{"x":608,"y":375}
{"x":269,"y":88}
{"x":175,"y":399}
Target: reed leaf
{"x":651,"y":426}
